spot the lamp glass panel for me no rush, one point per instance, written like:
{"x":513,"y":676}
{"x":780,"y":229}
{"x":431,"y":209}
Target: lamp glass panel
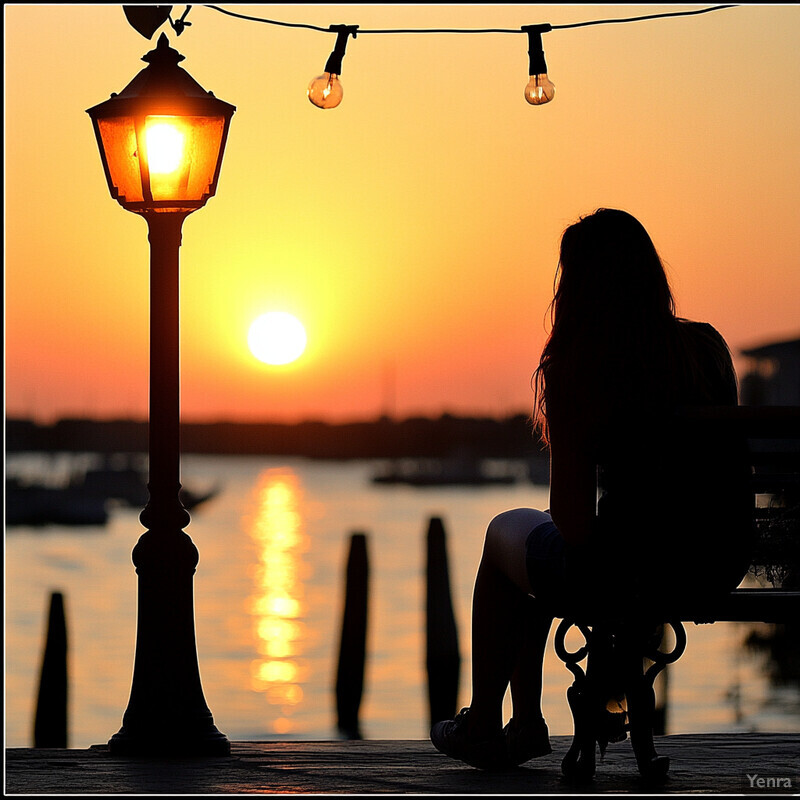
{"x":182,"y":154}
{"x":119,"y":146}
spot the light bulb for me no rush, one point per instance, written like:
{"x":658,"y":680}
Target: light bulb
{"x":540,"y":89}
{"x":325,"y":91}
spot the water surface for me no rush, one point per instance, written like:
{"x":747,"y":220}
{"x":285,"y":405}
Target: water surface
{"x":268,"y":602}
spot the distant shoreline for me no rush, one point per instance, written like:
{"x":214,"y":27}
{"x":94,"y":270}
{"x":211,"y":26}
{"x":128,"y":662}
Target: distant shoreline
{"x":416,"y":437}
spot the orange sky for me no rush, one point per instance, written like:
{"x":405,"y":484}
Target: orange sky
{"x":414,"y":230}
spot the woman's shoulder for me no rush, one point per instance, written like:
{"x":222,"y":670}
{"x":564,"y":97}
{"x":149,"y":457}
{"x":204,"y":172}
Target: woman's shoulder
{"x":701,"y":330}
{"x":711,"y":358}
{"x":704,"y":337}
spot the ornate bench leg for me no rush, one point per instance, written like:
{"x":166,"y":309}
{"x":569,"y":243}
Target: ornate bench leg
{"x":618,"y":650}
{"x":634,"y":646}
{"x":641,"y":704}
{"x":579,"y":762}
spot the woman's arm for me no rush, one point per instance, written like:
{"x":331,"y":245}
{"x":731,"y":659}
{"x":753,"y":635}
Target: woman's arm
{"x":573,"y":482}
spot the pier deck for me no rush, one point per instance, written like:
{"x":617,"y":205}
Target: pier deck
{"x":701,"y":763}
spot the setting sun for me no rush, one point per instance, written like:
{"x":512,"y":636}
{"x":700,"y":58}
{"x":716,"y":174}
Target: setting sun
{"x":277,"y":338}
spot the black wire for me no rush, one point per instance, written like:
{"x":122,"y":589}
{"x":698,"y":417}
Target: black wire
{"x":443,"y":30}
{"x":475,"y":30}
{"x":268,"y":21}
{"x":639,"y":19}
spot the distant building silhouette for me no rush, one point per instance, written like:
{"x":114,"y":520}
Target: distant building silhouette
{"x":773,"y":377}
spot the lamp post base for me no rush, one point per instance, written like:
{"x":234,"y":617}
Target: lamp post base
{"x":167,"y":714}
{"x":176,"y":743}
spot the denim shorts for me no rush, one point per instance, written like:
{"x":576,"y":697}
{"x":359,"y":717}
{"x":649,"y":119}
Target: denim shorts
{"x":545,"y":552}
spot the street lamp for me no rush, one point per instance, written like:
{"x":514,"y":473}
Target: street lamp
{"x":161,"y":141}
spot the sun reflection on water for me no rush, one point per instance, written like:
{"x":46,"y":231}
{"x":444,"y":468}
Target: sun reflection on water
{"x":276,"y":526}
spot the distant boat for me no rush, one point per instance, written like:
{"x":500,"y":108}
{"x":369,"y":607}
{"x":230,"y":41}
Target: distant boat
{"x":191,"y":499}
{"x":126,"y":483}
{"x":38,"y":505}
{"x":86,"y":498}
{"x":440,"y":472}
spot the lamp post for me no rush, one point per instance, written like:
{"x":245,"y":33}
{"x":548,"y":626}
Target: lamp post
{"x":161,"y":142}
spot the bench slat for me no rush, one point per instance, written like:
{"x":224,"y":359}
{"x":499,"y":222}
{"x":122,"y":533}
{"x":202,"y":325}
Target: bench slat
{"x":740,"y":605}
{"x":749,"y":605}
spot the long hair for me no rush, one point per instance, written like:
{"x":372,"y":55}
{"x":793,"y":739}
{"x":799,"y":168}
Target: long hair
{"x":614,"y":339}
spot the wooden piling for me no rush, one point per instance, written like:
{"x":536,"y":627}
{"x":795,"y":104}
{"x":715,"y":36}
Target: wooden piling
{"x":442,"y":657}
{"x":50,"y":724}
{"x":353,"y":643}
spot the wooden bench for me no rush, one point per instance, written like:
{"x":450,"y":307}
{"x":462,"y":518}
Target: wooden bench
{"x":627,"y":642}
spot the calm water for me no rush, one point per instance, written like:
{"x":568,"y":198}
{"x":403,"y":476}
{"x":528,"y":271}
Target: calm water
{"x":268,"y":598}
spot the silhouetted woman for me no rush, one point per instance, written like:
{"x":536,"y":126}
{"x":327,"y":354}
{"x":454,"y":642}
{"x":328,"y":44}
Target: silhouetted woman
{"x":673,"y":516}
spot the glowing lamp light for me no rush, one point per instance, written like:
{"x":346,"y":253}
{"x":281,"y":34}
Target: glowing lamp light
{"x":540,"y":88}
{"x":164,"y":145}
{"x":162,"y":137}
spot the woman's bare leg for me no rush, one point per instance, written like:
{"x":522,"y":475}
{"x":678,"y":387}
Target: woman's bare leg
{"x":509,"y":632}
{"x":526,"y":680}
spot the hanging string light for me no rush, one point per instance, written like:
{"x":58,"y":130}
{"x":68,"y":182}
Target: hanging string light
{"x":325,"y":91}
{"x":540,"y":88}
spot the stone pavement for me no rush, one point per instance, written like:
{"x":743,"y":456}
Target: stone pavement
{"x":700,"y":763}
